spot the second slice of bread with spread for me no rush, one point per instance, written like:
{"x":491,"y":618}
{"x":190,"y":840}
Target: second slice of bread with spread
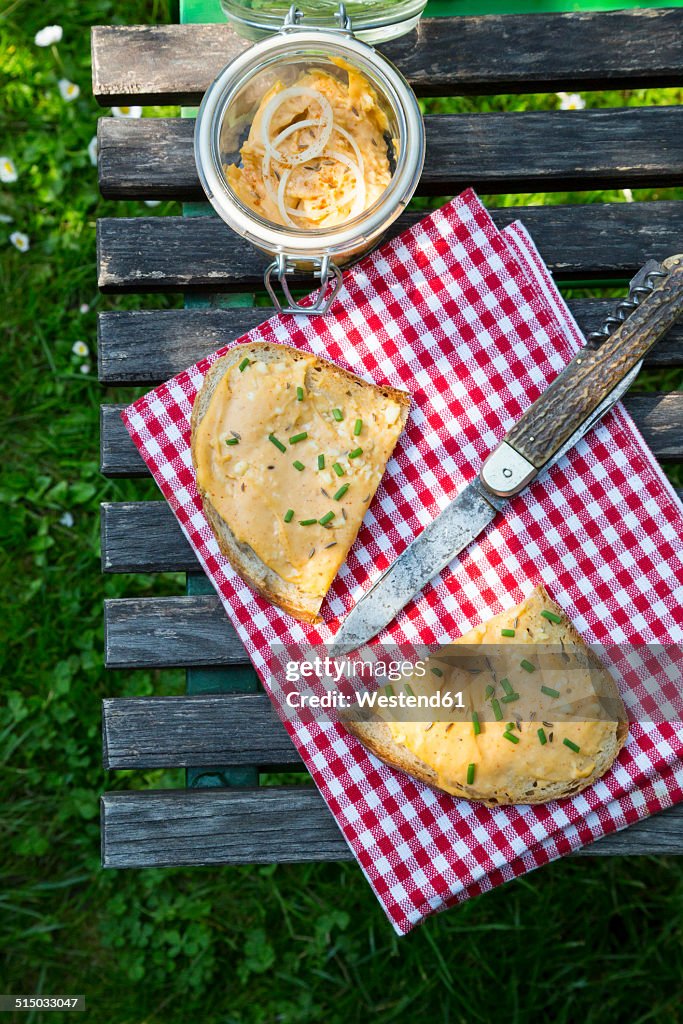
{"x":508,"y":747}
{"x":289,"y":450}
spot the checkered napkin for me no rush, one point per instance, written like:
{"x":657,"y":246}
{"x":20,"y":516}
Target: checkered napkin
{"x":467,"y":319}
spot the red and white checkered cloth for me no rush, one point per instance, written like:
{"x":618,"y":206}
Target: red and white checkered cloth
{"x":469,"y":321}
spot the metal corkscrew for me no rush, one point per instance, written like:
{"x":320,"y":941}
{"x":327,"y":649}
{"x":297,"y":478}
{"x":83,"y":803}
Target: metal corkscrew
{"x":644,"y":282}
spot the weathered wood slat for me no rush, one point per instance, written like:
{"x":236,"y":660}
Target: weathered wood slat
{"x":219,"y":826}
{"x":470,"y":55}
{"x":659,"y":416}
{"x":194,"y":732}
{"x":513,"y":152}
{"x":149,"y":346}
{"x":202,"y":253}
{"x":143,"y":536}
{"x":163,"y":547}
{"x":118,"y":454}
{"x":166,"y":632}
{"x":281,"y":824}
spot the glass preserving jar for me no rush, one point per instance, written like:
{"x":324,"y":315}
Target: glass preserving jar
{"x":309,"y":145}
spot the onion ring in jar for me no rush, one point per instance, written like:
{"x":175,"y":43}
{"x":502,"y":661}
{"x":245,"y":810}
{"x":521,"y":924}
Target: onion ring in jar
{"x":281,"y":198}
{"x":316,"y":148}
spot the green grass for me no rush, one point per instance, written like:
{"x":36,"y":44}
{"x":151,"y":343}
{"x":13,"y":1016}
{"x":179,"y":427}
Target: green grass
{"x":594,"y":940}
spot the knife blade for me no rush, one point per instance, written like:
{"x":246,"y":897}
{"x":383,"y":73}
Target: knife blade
{"x":591,"y":383}
{"x":458,"y":525}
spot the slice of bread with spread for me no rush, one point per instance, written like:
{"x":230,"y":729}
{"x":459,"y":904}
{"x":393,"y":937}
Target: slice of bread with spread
{"x":289,"y":450}
{"x":508,"y":746}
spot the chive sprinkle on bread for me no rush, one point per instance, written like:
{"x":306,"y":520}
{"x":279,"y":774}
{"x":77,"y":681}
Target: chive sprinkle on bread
{"x":289,"y":450}
{"x":520,"y":738}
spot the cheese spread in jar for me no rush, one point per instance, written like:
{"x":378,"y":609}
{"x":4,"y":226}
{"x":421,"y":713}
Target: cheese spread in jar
{"x":318,"y":152}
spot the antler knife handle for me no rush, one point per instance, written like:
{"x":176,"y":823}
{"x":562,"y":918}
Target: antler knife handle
{"x":593,"y":373}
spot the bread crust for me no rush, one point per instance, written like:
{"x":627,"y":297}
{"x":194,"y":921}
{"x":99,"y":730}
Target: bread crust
{"x":378,"y":738}
{"x":242,"y":557}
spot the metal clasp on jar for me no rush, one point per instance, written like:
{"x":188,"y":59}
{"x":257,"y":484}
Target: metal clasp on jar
{"x":295,"y":16}
{"x":322,"y":268}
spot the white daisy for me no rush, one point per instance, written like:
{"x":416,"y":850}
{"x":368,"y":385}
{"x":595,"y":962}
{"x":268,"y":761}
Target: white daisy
{"x":627,"y":194}
{"x":66,"y":519}
{"x":92,"y":150}
{"x":49,"y":35}
{"x":84,"y":367}
{"x":69,"y":90}
{"x":8,"y":172}
{"x":570,"y":101}
{"x":126,"y":111}
{"x":152,"y":202}
{"x":6,"y":219}
{"x":84,"y":308}
{"x":79,"y":348}
{"x":20,"y":241}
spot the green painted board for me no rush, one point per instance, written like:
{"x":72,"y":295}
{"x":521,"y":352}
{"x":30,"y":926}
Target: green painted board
{"x":448,"y":8}
{"x":201,"y":11}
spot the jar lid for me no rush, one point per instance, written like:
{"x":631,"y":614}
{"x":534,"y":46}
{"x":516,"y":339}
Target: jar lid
{"x":375,"y":21}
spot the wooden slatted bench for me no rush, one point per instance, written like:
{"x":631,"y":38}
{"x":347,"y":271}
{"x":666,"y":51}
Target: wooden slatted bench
{"x":225,"y":732}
